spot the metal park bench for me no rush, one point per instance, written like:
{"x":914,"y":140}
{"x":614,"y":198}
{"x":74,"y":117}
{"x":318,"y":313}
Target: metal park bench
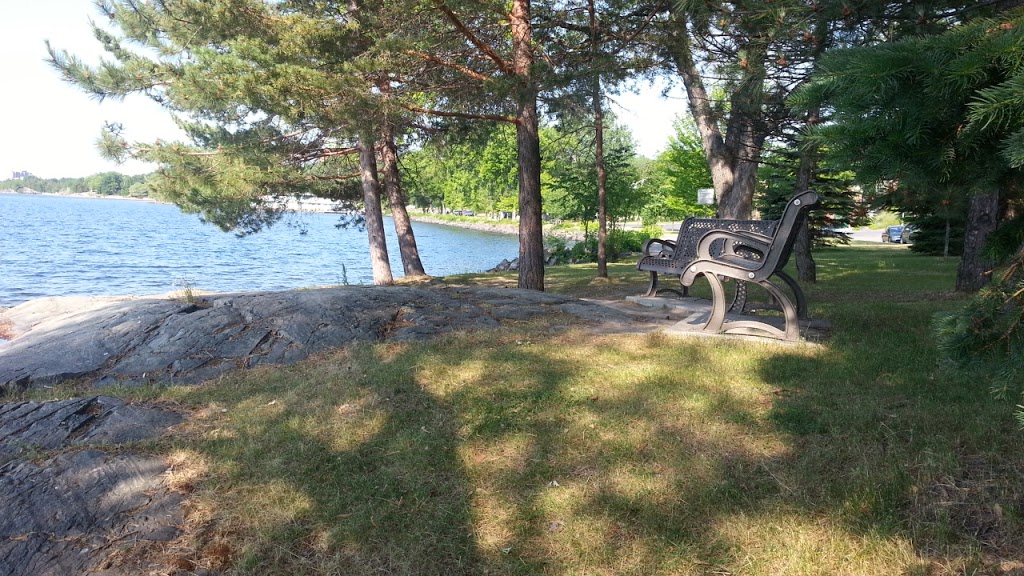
{"x":733,"y":261}
{"x":673,"y":258}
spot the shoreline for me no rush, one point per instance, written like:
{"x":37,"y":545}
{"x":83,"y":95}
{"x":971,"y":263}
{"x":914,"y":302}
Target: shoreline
{"x":85,"y":195}
{"x":512,"y":228}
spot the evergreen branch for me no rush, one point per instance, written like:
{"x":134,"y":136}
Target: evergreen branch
{"x":348,"y":176}
{"x":431,"y":58}
{"x":474,"y":39}
{"x":467,"y":116}
{"x":642,"y":27}
{"x":323,"y":153}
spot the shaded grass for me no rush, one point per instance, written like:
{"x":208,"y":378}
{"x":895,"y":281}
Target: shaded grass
{"x":537,"y":451}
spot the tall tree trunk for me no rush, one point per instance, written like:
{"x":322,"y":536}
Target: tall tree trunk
{"x":374,"y":218}
{"x":744,"y":135}
{"x":733,"y":158}
{"x":738,"y":201}
{"x":945,"y":240}
{"x":411,"y":263}
{"x":531,"y":234}
{"x":806,"y":267}
{"x":718,"y":157}
{"x":602,"y":174}
{"x":982,"y":217}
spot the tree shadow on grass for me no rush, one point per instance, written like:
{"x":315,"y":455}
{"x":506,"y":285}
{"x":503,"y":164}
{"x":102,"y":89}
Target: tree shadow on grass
{"x":513,"y":452}
{"x":532,"y":451}
{"x":341,"y":478}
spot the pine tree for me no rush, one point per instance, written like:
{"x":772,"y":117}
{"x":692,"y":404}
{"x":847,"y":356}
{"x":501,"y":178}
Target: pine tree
{"x":475,"y":60}
{"x":595,"y":46}
{"x":277,"y":99}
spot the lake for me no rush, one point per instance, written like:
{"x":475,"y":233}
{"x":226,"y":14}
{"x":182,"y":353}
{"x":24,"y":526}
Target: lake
{"x":61,"y":246}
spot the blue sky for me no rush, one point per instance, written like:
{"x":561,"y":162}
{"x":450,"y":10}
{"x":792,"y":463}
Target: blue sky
{"x":49,"y":128}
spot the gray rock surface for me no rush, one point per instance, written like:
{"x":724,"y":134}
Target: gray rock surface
{"x":133,"y":340}
{"x":75,"y":511}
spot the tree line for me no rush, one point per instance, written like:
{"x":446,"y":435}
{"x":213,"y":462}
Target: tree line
{"x":104,"y":183}
{"x":433,"y":99}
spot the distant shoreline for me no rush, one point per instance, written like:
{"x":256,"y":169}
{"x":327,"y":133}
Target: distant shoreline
{"x":511,"y":228}
{"x":87,"y":195}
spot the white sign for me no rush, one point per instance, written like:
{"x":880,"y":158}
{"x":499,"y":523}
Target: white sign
{"x":705,"y":196}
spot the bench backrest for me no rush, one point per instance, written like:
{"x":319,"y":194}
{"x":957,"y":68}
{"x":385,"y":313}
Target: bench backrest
{"x":785,"y":233}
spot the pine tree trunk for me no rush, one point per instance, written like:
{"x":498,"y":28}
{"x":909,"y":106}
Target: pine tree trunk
{"x":982,"y":217}
{"x":806,"y":267}
{"x":374,"y":217}
{"x":531,"y":239}
{"x":737,"y":202}
{"x":945,"y":241}
{"x":411,"y":263}
{"x":602,"y":174}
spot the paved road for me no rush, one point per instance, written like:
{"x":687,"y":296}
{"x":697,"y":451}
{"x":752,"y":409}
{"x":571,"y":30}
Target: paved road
{"x":865,"y":234}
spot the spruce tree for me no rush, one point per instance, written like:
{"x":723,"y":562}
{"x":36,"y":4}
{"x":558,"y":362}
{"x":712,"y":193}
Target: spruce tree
{"x":929,"y":115}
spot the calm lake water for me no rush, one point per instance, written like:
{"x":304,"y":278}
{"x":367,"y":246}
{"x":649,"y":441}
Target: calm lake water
{"x":53,"y":246}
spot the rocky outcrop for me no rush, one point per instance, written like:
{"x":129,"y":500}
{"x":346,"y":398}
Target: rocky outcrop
{"x":134,"y":340}
{"x":70,"y":508}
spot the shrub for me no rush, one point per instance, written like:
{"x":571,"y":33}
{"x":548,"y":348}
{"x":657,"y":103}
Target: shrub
{"x":619,"y":242}
{"x":988,"y":333}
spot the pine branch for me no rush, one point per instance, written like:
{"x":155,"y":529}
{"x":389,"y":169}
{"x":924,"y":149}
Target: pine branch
{"x":467,"y":116}
{"x":431,"y":58}
{"x":500,"y":62}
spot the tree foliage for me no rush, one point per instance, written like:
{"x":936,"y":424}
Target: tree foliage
{"x":574,"y":185}
{"x":920,"y":117}
{"x":265,"y":93}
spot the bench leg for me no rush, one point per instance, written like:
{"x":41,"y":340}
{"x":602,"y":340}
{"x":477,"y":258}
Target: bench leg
{"x":801,"y":300}
{"x":788,"y":310}
{"x":717,"y":317}
{"x":653,"y":288}
{"x":716,"y":322}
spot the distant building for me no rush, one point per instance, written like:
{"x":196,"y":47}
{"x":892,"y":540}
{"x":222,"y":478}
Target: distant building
{"x":20,"y":175}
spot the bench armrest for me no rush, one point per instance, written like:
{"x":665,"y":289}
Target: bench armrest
{"x":658,"y":247}
{"x":756,"y":236}
{"x":733,"y":239}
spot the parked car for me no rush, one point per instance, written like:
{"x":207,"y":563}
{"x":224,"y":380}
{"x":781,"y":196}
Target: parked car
{"x":893,"y":234}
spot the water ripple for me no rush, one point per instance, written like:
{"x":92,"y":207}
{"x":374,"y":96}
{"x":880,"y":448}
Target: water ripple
{"x":52,"y":246}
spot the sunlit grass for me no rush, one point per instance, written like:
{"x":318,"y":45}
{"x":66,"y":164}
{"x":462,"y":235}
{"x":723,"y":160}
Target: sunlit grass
{"x":528,"y":450}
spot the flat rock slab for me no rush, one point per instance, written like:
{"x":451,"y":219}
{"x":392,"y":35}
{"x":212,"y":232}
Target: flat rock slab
{"x":73,"y":512}
{"x":135,"y":340}
{"x":692,"y":313}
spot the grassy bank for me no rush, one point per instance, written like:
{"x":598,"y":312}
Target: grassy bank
{"x":537,"y":450}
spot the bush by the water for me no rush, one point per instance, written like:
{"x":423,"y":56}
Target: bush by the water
{"x":619,"y":242}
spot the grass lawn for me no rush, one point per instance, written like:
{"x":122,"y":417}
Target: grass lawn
{"x":536,"y":450}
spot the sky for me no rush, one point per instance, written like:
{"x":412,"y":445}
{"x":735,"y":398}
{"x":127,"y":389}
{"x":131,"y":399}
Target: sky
{"x":49,"y":128}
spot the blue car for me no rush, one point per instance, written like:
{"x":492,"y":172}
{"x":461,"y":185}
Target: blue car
{"x":893,"y":234}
